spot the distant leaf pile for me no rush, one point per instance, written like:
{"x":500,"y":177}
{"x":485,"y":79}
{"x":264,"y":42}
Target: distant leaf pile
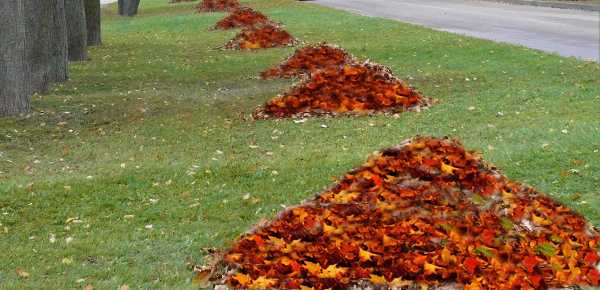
{"x":358,"y":88}
{"x":217,"y":5}
{"x":243,"y":17}
{"x":309,"y":59}
{"x":425,"y":212}
{"x":178,"y":1}
{"x":265,"y":36}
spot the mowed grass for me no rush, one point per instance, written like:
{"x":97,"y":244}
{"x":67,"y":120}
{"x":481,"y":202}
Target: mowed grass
{"x":123,"y":174}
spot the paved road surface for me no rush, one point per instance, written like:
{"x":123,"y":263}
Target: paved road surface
{"x":107,"y":1}
{"x":564,"y":31}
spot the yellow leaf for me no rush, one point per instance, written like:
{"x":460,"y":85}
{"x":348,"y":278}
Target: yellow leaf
{"x":277,"y":242}
{"x":540,"y":220}
{"x":201,"y":279}
{"x":389,"y":241}
{"x":344,"y":196}
{"x":263,"y":283}
{"x":399,"y":282}
{"x":430,"y":268}
{"x":331,"y":272}
{"x":21,"y":273}
{"x":447,"y":256}
{"x":251,"y":45}
{"x":302,"y":287}
{"x":448,"y":169}
{"x":365,"y":255}
{"x":378,"y":280}
{"x":243,"y":279}
{"x":327,"y":229}
{"x":312,"y":268}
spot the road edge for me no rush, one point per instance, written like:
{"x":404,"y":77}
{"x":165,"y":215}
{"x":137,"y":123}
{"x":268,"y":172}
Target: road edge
{"x":552,"y":4}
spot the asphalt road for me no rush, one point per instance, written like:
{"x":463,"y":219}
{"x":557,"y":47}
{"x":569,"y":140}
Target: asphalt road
{"x":563,"y":31}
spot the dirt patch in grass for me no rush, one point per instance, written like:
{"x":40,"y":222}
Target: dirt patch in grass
{"x":428,"y":212}
{"x":357,"y":88}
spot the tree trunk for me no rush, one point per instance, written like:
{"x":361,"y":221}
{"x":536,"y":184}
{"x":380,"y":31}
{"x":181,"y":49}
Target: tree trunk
{"x":121,"y":4}
{"x":58,"y":47}
{"x":128,"y":7}
{"x":14,"y":68}
{"x":37,"y":28}
{"x":92,"y":18}
{"x":76,"y":29}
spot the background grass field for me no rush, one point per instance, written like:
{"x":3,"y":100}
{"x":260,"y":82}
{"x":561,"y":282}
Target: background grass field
{"x":123,"y":174}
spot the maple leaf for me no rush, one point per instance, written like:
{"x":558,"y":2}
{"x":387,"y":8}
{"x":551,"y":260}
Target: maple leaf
{"x":365,"y":255}
{"x":312,"y":268}
{"x":536,"y":280}
{"x":540,"y":220}
{"x":594,"y":277}
{"x":377,"y":280}
{"x":530,"y":262}
{"x":332,"y":272}
{"x":447,"y":256}
{"x":430,"y":268}
{"x":263,"y":283}
{"x":470,"y":264}
{"x":243,"y":279}
{"x":22,"y":273}
{"x":448,"y":169}
{"x":488,"y":236}
{"x":202,"y":278}
{"x":591,"y":258}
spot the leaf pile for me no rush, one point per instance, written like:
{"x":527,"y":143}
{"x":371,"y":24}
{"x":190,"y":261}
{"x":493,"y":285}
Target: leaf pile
{"x":243,"y":17}
{"x":429,"y":212}
{"x":265,"y":36}
{"x":358,"y":88}
{"x":309,"y":59}
{"x":217,"y":5}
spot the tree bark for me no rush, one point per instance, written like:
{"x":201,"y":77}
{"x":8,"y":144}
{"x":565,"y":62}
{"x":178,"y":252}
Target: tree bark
{"x":58,"y":47}
{"x":92,"y":18}
{"x":37,"y":29}
{"x":121,"y":5}
{"x":14,"y":68}
{"x":76,"y":29}
{"x":128,"y":7}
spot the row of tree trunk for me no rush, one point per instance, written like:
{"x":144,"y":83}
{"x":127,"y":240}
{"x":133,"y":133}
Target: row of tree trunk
{"x":37,"y":39}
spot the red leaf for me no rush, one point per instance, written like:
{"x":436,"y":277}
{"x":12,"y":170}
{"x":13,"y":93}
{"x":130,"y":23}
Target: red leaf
{"x":530,"y":262}
{"x":591,"y":258}
{"x":488,"y":237}
{"x":471,"y":264}
{"x":594,"y":277}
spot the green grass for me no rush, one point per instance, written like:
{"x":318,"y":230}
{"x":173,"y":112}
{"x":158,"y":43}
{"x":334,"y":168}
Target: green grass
{"x":139,"y":130}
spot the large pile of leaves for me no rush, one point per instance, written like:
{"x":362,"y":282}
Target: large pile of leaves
{"x":426,"y":212}
{"x":309,"y":59}
{"x":264,"y":36}
{"x":243,"y":17}
{"x":358,"y":88}
{"x":217,"y":5}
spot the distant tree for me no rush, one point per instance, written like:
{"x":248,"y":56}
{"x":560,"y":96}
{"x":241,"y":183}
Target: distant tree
{"x":128,"y":7}
{"x":92,"y":18}
{"x":76,"y":29}
{"x":15,"y":75}
{"x":58,"y":44}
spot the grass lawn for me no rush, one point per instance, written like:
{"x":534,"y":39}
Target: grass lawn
{"x":155,"y":130}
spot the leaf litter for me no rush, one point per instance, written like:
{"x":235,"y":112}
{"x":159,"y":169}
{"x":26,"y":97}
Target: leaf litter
{"x":426,"y":212}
